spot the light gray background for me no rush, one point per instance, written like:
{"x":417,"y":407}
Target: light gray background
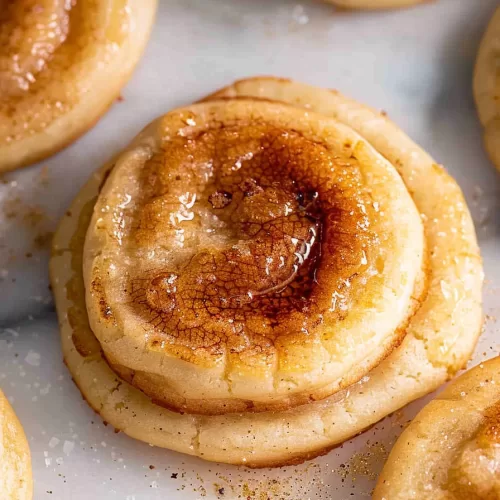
{"x":415,"y":64}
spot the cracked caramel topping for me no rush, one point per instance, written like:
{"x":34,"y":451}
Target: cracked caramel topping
{"x":281,"y":210}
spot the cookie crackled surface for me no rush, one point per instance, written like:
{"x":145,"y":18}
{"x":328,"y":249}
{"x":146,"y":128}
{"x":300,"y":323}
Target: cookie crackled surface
{"x":253,"y":268}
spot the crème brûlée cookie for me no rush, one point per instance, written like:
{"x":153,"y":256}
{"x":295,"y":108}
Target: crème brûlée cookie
{"x":16,"y":482}
{"x":375,"y":4}
{"x":62,"y":64}
{"x":487,"y":88}
{"x":265,"y":274}
{"x":242,"y":263}
{"x":451,"y":450}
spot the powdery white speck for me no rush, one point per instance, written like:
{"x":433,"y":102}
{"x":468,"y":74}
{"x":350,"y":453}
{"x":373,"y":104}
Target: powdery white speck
{"x":32,"y":358}
{"x":299,"y":15}
{"x":154,"y":485}
{"x":48,"y":462}
{"x":12,"y":332}
{"x":68,"y":447}
{"x":45,"y":390}
{"x":53,"y":442}
{"x":59,"y":460}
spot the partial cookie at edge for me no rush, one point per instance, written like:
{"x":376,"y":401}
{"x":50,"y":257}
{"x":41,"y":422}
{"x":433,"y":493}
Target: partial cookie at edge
{"x":421,"y":466}
{"x":15,"y":461}
{"x":486,"y":88}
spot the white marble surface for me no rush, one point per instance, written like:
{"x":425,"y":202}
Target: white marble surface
{"x":415,"y":64}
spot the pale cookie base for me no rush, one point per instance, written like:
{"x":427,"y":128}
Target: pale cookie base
{"x":105,"y":82}
{"x":487,"y":88}
{"x":440,"y":339}
{"x":375,"y":4}
{"x":419,"y":463}
{"x":16,"y":482}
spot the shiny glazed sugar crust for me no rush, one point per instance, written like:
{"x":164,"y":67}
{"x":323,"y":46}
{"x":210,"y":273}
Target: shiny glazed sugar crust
{"x":16,"y":482}
{"x":452,"y":448}
{"x":487,"y":88}
{"x":62,"y":63}
{"x":250,"y":260}
{"x":439,"y":339}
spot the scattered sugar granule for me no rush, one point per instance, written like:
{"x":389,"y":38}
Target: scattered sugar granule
{"x":53,"y":442}
{"x":68,"y":447}
{"x":299,"y":15}
{"x":32,"y":358}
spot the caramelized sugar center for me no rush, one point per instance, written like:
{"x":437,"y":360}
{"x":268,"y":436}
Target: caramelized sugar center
{"x":256,"y":232}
